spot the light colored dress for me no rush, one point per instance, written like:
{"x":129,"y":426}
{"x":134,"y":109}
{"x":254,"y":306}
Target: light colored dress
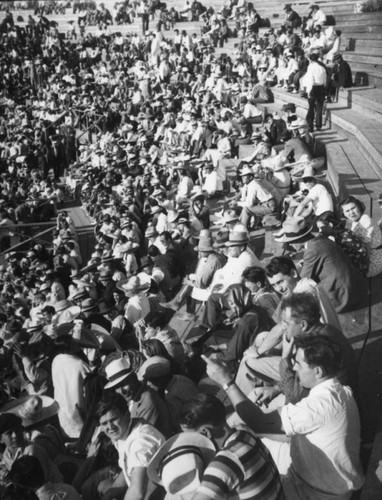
{"x":371,"y":235}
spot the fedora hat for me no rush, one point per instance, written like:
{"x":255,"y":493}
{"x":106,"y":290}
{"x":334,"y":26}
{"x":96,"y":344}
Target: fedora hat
{"x":129,"y":246}
{"x":237,"y":238}
{"x":118,"y":371}
{"x":294,"y":229}
{"x":204,"y":245}
{"x":246,"y":171}
{"x":279,"y":163}
{"x":221,"y":237}
{"x":61,"y":305}
{"x":228,"y":216}
{"x":154,"y":367}
{"x":78,"y":334}
{"x":81,"y":294}
{"x":32,"y":409}
{"x":151,"y":232}
{"x":88,"y":305}
{"x":180,"y":462}
{"x":308,"y":173}
{"x":134,"y":285}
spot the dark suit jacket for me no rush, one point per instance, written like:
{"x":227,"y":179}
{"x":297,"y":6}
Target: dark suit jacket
{"x":325,"y":263}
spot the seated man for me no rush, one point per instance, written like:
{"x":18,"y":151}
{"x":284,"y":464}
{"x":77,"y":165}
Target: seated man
{"x":326,"y":264}
{"x":300,"y":317}
{"x":256,"y":199}
{"x":136,"y":443}
{"x":322,"y":458}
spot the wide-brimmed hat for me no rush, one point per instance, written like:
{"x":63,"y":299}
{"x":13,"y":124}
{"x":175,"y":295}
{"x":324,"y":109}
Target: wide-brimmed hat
{"x":154,"y":367}
{"x":61,"y":305}
{"x":205,"y":245}
{"x":279,"y":163}
{"x":129,"y":246}
{"x":294,"y":229}
{"x":246,"y":171}
{"x":221,"y":237}
{"x":308,"y":173}
{"x":229,"y":216}
{"x":133,"y":285}
{"x":79,"y":335}
{"x":117,"y":371}
{"x":180,"y":462}
{"x":81,"y":294}
{"x":32,"y":409}
{"x":88,"y":305}
{"x":151,"y":232}
{"x":237,"y":238}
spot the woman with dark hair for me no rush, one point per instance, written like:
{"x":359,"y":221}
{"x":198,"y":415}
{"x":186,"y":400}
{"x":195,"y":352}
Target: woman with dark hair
{"x":351,"y":244}
{"x":369,"y":232}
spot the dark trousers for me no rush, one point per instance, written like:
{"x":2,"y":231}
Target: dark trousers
{"x":145,"y":23}
{"x":316,"y":101}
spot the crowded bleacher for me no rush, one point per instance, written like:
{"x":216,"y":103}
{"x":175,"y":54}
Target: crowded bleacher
{"x":194,"y":347}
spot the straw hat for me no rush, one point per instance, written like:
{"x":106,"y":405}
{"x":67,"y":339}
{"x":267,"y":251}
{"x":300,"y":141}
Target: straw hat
{"x":32,"y":409}
{"x":246,"y":171}
{"x":221,"y":237}
{"x":294,"y":229}
{"x":117,"y":371}
{"x":237,"y":238}
{"x":133,"y":285}
{"x":205,"y":245}
{"x":180,"y":462}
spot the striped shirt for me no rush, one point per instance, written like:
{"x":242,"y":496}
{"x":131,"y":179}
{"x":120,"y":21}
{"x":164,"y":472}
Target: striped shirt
{"x":243,"y":468}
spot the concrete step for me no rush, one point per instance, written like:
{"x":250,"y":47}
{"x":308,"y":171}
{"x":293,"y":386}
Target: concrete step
{"x":366,"y":131}
{"x":363,"y":58}
{"x":362,"y":99}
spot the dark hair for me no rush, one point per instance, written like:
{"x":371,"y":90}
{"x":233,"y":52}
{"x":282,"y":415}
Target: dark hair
{"x":155,"y":347}
{"x":202,"y":409}
{"x":283,"y":265}
{"x":255,"y":274}
{"x":320,"y":351}
{"x":313,"y":57}
{"x":112,"y":401}
{"x":156,"y":319}
{"x":27,"y":471}
{"x":352,"y":199}
{"x":153,"y":251}
{"x":167,"y":235}
{"x":304,"y":306}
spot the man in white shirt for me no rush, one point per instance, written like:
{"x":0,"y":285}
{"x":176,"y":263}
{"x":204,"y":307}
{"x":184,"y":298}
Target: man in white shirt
{"x":136,"y":443}
{"x":321,"y":460}
{"x":315,"y":88}
{"x":256,"y":199}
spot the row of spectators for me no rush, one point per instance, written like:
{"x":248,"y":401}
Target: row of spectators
{"x":101,"y":396}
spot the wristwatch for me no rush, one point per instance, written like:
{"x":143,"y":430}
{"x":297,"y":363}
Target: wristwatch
{"x":228,"y":384}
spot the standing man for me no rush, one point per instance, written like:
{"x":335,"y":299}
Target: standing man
{"x":315,"y":88}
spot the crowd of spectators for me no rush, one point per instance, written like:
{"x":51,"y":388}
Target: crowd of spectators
{"x":165,"y":146}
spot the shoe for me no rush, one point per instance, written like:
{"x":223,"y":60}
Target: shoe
{"x":294,"y":91}
{"x":173,"y":304}
{"x":186,"y":316}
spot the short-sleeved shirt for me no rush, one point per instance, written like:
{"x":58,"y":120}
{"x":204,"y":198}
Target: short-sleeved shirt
{"x":321,"y":199}
{"x":139,"y":448}
{"x":243,"y":468}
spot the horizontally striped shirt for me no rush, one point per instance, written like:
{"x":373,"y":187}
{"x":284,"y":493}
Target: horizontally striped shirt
{"x":242,"y":469}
